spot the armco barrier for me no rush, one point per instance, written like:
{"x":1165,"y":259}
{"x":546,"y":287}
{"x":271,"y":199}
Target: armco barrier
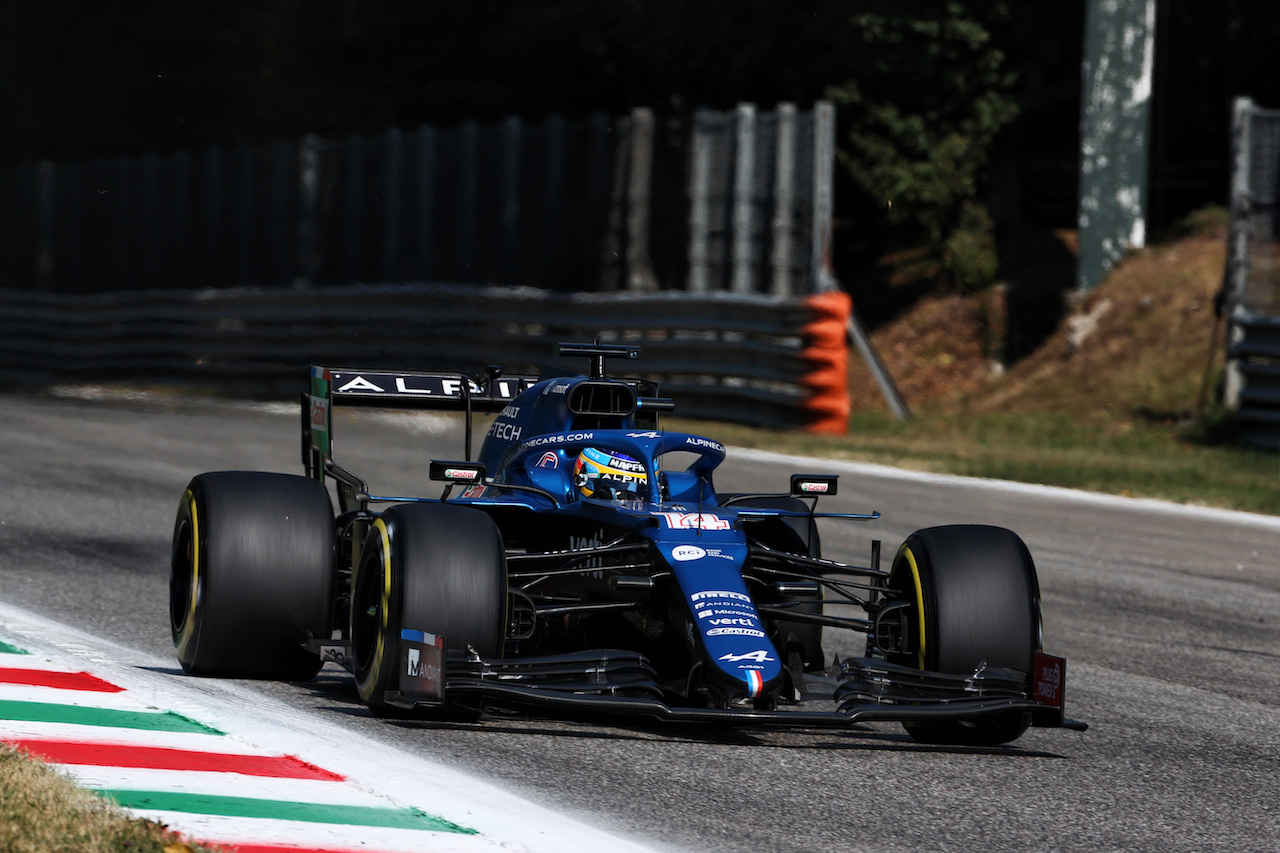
{"x":778,"y":362}
{"x":1253,"y":378}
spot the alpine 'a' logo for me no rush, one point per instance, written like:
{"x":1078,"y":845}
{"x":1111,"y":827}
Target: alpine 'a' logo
{"x":360,"y":384}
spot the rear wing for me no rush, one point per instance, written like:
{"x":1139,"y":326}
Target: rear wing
{"x":341,"y":386}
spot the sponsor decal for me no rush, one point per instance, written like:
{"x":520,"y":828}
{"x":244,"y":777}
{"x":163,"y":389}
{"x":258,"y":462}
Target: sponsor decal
{"x":559,"y":389}
{"x":708,"y":613}
{"x":505,"y":431}
{"x":422,"y":661}
{"x":704,"y":442}
{"x":1048,"y":676}
{"x":815,"y":487}
{"x":741,"y":621}
{"x":509,"y":412}
{"x":461,"y":473}
{"x":737,"y":596}
{"x":758,"y":656}
{"x":643,"y":435}
{"x":549,"y":460}
{"x":319,"y":414}
{"x":504,"y":389}
{"x":695,"y":521}
{"x":476,"y":491}
{"x":683,"y":553}
{"x":360,"y":384}
{"x":448,"y":387}
{"x":628,"y":465}
{"x":741,"y":632}
{"x":562,"y":438}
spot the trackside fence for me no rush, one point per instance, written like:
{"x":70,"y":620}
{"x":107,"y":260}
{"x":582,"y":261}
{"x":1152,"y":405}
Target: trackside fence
{"x":736,"y":201}
{"x":748,"y":358}
{"x":1252,"y":286}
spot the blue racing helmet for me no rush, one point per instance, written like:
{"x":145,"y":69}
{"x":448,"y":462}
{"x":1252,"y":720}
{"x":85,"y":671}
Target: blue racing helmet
{"x":609,"y":475}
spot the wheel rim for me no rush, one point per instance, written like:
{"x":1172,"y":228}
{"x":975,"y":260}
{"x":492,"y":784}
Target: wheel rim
{"x":184,"y":577}
{"x":370,"y":604}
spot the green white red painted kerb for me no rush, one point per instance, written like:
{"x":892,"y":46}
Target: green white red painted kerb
{"x":166,"y":766}
{"x":194,"y":762}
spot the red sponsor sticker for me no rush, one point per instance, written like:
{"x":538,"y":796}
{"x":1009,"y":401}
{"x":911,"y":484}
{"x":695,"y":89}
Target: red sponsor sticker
{"x":319,"y":413}
{"x":1048,"y":678}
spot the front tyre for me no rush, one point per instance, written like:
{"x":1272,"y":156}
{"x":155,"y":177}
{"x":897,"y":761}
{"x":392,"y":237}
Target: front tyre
{"x":974,"y":598}
{"x":251,"y":573}
{"x":426,"y":567}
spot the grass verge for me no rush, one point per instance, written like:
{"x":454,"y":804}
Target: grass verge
{"x":1118,"y":456}
{"x":42,"y":811}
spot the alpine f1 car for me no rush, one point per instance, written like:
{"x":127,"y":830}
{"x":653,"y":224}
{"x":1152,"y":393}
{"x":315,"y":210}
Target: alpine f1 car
{"x":585,"y":561}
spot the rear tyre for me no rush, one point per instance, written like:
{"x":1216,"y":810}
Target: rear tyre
{"x":975,"y":598}
{"x":800,"y":536}
{"x":251,"y":573}
{"x":427,"y":567}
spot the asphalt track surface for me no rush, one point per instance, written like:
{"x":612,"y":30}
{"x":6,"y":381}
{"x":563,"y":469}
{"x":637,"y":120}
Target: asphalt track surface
{"x":1169,"y":619}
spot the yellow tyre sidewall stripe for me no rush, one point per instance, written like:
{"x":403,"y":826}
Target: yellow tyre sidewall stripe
{"x":193,"y":592}
{"x":910,"y":557}
{"x":380,"y":645}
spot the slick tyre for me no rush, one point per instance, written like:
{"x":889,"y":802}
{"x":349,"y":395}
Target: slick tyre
{"x":974,"y":597}
{"x":427,"y":567}
{"x":798,"y":535}
{"x":251,"y":574}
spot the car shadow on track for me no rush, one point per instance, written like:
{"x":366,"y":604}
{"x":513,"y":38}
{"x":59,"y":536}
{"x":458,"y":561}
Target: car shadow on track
{"x":332,"y":692}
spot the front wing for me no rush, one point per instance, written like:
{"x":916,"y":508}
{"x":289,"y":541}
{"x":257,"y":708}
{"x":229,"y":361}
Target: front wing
{"x":861,"y":690}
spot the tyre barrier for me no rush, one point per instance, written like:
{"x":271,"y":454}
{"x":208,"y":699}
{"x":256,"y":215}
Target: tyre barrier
{"x":778,"y":362}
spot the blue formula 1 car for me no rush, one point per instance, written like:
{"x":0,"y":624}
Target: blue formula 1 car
{"x":585,"y":561}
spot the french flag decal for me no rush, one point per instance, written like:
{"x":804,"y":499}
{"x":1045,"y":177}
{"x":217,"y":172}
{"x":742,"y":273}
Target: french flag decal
{"x":755,"y":683}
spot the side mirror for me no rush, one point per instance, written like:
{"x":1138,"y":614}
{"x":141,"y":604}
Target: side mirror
{"x":813,"y":485}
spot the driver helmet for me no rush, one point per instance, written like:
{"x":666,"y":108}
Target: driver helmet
{"x":609,"y":475}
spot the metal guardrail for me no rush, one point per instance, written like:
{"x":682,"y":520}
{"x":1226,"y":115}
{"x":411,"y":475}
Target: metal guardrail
{"x":1251,"y":291}
{"x":745,"y":358}
{"x":1253,"y":349}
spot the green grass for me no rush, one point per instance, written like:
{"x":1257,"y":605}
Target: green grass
{"x":1119,"y":455}
{"x":42,"y":811}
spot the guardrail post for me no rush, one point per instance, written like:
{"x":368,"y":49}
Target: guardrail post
{"x":244,"y":217}
{"x":468,"y":191}
{"x":784,"y":185}
{"x":281,"y":179}
{"x":549,"y":252}
{"x":511,"y":133}
{"x":743,"y":280}
{"x":699,"y":201}
{"x":1238,"y":247}
{"x":352,"y":204}
{"x":45,"y":187}
{"x":309,"y":261}
{"x":425,"y":244}
{"x":150,"y":218}
{"x":391,"y":151}
{"x":824,"y":147}
{"x":180,"y":238}
{"x":639,"y":269}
